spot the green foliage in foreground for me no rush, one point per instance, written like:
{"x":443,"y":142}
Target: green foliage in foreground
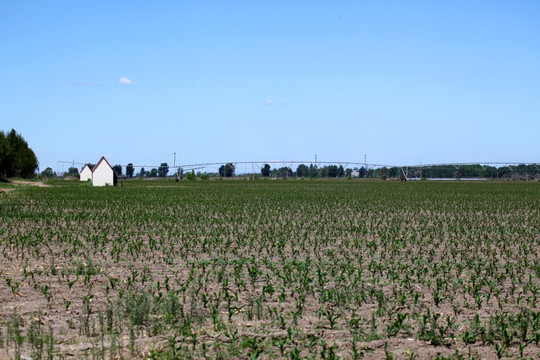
{"x":16,"y":158}
{"x":287,"y":269}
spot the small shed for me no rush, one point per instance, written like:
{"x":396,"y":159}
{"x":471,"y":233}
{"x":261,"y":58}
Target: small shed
{"x":86,"y":173}
{"x":103,"y":174}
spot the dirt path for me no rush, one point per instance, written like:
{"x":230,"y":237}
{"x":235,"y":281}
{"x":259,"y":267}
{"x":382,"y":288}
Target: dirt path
{"x":23,"y":183}
{"x":31,"y":183}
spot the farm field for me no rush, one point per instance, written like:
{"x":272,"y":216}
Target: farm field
{"x":271,"y":269}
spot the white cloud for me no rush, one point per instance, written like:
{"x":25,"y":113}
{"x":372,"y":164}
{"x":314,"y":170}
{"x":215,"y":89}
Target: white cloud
{"x":270,"y":102}
{"x":125,"y":81}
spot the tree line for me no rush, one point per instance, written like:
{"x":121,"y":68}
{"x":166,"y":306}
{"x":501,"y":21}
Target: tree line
{"x":464,"y":171}
{"x":338,"y":171}
{"x":440,"y":171}
{"x":161,"y":171}
{"x":311,"y":171}
{"x":118,"y":170}
{"x":16,"y":158}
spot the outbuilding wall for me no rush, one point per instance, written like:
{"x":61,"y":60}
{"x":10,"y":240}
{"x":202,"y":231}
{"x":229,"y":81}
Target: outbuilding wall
{"x":86,"y":173}
{"x":102,"y":174}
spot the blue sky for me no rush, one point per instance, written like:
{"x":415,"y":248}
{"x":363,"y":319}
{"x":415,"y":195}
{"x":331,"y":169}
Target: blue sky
{"x":404,"y":82}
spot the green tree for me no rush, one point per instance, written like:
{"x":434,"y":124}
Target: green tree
{"x":142,"y":173}
{"x":3,"y":155}
{"x":394,"y":172}
{"x":340,"y":171}
{"x":16,"y":158}
{"x":117,"y":169}
{"x":129,"y":170}
{"x":284,"y":172}
{"x":384,"y":172}
{"x":323,"y":172}
{"x":302,"y":171}
{"x":190,"y":176}
{"x":226,"y":170}
{"x":313,"y":171}
{"x":72,"y":171}
{"x":362,"y":172}
{"x":153,"y":173}
{"x":48,"y":173}
{"x":163,"y":170}
{"x":331,"y":171}
{"x":265,"y":170}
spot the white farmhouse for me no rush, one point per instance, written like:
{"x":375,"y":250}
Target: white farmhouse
{"x":102,"y":173}
{"x":86,"y":173}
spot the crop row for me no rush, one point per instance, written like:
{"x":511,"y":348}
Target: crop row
{"x":272,"y":269}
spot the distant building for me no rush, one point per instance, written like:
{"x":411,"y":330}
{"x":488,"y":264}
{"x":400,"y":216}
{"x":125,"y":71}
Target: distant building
{"x":86,"y":173}
{"x":355,"y":173}
{"x":103,"y":174}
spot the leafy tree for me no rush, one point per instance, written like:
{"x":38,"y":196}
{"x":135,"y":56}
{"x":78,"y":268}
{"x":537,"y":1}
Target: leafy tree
{"x":370,"y":173}
{"x":330,"y":171}
{"x":3,"y":155}
{"x":340,"y":171}
{"x":384,"y":172}
{"x":313,"y":171}
{"x":16,"y":158}
{"x":394,"y":172}
{"x":117,"y":169}
{"x":265,"y":170}
{"x":226,"y":170}
{"x":302,"y":171}
{"x":205,"y":176}
{"x":284,"y":172}
{"x":48,"y":173}
{"x":129,"y":170}
{"x":190,"y":176}
{"x":362,"y":172}
{"x":142,"y":173}
{"x":229,"y":169}
{"x":72,"y":171}
{"x":163,"y":170}
{"x":323,"y":172}
{"x":153,"y":173}
{"x":348,"y":172}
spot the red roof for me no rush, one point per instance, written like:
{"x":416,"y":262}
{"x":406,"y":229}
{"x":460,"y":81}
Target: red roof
{"x":99,"y":162}
{"x":85,"y":165}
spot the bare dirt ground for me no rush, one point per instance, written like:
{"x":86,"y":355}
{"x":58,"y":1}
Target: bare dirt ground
{"x":325,"y":272}
{"x":17,"y":183}
{"x":30,"y":183}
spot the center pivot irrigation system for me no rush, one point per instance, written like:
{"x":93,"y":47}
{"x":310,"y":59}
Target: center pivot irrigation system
{"x":252,"y":167}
